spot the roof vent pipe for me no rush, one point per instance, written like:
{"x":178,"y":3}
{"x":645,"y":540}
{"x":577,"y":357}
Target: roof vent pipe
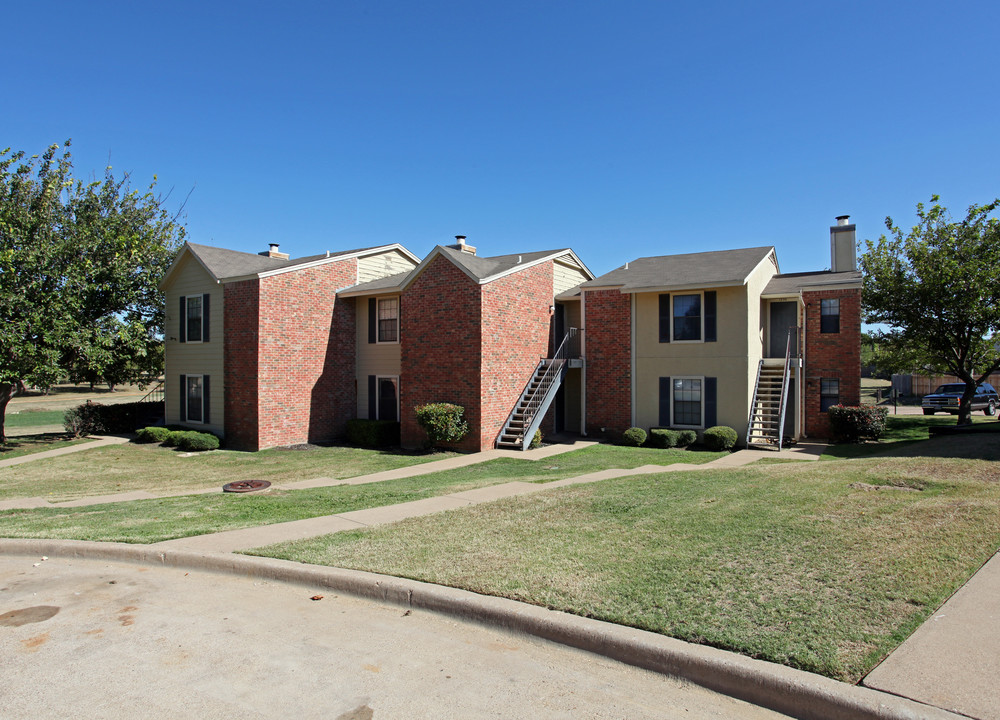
{"x":518,"y":259}
{"x":461,"y":246}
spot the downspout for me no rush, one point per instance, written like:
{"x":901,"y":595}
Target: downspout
{"x":631,"y":352}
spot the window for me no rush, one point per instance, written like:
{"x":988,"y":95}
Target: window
{"x":388,"y":320}
{"x":195,"y":399}
{"x":194,"y":318}
{"x":829,"y":315}
{"x":687,"y":317}
{"x":690,"y":317}
{"x":687,"y":402}
{"x":829,"y":393}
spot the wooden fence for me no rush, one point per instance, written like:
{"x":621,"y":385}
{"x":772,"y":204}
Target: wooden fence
{"x":926,"y":384}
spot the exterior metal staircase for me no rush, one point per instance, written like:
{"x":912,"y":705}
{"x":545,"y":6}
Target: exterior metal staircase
{"x":535,"y":400}
{"x":770,"y":401}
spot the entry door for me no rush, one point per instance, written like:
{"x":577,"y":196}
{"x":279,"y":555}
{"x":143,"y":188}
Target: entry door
{"x":784,"y":315}
{"x":387,"y":399}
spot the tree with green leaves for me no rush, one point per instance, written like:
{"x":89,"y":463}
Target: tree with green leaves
{"x":80,"y":265}
{"x":936,"y":287}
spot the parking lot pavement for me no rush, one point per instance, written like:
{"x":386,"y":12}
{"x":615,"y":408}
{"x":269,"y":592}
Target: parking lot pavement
{"x":100,"y":639}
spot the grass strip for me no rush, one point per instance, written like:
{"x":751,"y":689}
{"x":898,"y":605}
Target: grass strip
{"x":32,"y":418}
{"x":820,"y":566}
{"x":900,"y":430}
{"x":147,"y":521}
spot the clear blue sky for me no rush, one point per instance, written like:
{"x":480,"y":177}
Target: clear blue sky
{"x":619,"y":129}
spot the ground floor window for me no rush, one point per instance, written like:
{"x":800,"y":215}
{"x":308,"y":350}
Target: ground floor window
{"x":687,"y":397}
{"x":829,"y":393}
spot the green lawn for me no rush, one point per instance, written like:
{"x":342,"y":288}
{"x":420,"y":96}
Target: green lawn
{"x":123,"y":468}
{"x":820,"y":566}
{"x":30,"y":444}
{"x":32,"y":418}
{"x":146,"y":521}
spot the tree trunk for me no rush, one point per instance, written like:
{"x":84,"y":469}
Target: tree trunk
{"x":965,"y":404}
{"x":6,"y":393}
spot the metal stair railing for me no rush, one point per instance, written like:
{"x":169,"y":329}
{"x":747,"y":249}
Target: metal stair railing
{"x":784,"y":385}
{"x":156,"y":394}
{"x":753,"y":402}
{"x":533,"y":399}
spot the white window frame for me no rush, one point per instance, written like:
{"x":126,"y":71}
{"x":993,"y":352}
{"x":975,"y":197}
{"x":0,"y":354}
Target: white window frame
{"x":378,"y":394}
{"x":701,"y":326}
{"x":378,"y":322}
{"x":701,"y":402}
{"x":826,"y":395}
{"x":187,"y":399}
{"x":829,"y":302}
{"x":201,"y":327}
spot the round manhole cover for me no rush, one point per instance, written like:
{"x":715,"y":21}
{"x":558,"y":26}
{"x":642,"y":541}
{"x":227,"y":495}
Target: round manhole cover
{"x":243,"y":486}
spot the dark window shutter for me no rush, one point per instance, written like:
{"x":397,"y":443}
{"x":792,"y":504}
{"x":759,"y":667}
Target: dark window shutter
{"x":182,"y":334}
{"x":664,"y":318}
{"x":372,"y":398}
{"x":710,"y":334}
{"x":205,"y":395}
{"x":372,"y":322}
{"x":664,"y":402}
{"x":184,"y":398}
{"x":711,"y":393}
{"x":204,"y":320}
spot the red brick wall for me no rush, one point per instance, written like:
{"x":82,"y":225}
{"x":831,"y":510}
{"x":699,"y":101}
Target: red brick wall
{"x":307,"y":343}
{"x":608,"y":349}
{"x":517,"y":332}
{"x":832,"y":355}
{"x":439,"y":317}
{"x":240,"y":362}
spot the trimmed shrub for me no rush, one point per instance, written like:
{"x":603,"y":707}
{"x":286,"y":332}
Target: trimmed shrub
{"x":173,"y":437}
{"x":536,"y":442}
{"x":373,"y":433}
{"x":853,"y":424}
{"x":194,"y":441}
{"x":634,"y":437}
{"x":152,"y":434}
{"x":720,"y":437}
{"x":663,"y":438}
{"x":443,"y":422}
{"x":686,"y":437}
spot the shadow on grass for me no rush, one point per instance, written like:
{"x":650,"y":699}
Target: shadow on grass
{"x":909,"y":436}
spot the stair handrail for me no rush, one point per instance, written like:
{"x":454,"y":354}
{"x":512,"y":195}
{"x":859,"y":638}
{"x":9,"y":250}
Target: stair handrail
{"x":557,"y":360}
{"x":155,"y":394}
{"x":753,"y":402}
{"x":792,"y":332}
{"x":531,"y":402}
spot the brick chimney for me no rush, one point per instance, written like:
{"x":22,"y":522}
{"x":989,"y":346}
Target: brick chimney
{"x":843,"y":246}
{"x":273,"y":253}
{"x":461,"y":246}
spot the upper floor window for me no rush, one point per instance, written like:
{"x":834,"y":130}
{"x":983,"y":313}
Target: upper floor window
{"x":388,"y":320}
{"x":688,"y":317}
{"x":829,"y":315}
{"x":194,"y":318}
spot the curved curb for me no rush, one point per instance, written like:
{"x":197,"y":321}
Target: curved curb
{"x":793,"y":692}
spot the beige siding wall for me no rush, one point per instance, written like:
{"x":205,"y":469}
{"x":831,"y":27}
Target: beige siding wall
{"x":373,"y":358}
{"x":566,"y":274}
{"x":726,"y":359}
{"x":383,"y":265}
{"x":205,"y":358}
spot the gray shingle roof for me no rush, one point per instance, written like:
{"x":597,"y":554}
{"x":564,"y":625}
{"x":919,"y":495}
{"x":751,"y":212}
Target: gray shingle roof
{"x":792,"y":283}
{"x":223,"y":263}
{"x":706,"y":269}
{"x":374,"y":287}
{"x":486,"y":267}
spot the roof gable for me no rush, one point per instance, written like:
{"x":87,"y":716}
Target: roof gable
{"x":718,"y":268}
{"x":482,"y":270}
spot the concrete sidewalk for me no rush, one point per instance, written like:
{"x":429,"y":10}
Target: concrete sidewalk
{"x":952,"y":661}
